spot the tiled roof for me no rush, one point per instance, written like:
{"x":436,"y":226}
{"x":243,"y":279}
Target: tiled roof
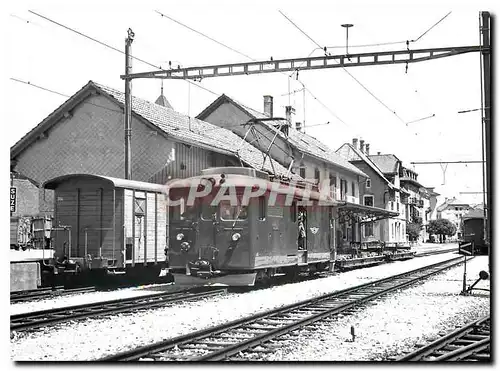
{"x":357,"y":155}
{"x":196,"y":132}
{"x":451,"y":202}
{"x":302,"y":141}
{"x":386,"y":163}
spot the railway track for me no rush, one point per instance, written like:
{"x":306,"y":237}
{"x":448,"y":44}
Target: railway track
{"x":248,"y":337}
{"x":469,"y":343}
{"x":435,"y":252}
{"x":42,"y":293}
{"x":48,"y":317}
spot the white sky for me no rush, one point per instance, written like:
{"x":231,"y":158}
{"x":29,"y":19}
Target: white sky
{"x":57,"y":59}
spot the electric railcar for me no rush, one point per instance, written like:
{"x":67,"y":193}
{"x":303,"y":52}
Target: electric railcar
{"x":234,"y":226}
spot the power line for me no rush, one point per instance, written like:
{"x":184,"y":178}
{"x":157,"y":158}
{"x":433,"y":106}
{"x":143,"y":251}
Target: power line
{"x":445,"y":162}
{"x":116,"y":49}
{"x":236,"y":51}
{"x":355,"y":79}
{"x":298,"y":28}
{"x":204,"y":35}
{"x":422,"y":119}
{"x":91,"y":38}
{"x":434,"y":25}
{"x":61,"y":94}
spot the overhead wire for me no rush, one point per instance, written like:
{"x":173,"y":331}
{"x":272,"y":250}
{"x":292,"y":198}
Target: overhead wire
{"x":93,"y":104}
{"x":61,"y":94}
{"x":345,"y":70}
{"x":116,"y":49}
{"x":247,"y":56}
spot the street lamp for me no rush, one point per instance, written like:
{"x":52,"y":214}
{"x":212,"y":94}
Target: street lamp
{"x":346,"y":26}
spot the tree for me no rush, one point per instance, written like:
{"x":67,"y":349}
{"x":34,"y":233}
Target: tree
{"x":413,"y":230}
{"x":441,"y":227}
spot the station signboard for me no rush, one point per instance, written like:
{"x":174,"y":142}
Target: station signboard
{"x":13,"y":199}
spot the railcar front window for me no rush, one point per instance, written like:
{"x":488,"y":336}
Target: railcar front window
{"x":207,"y":210}
{"x":232,"y":212}
{"x":183,"y":212}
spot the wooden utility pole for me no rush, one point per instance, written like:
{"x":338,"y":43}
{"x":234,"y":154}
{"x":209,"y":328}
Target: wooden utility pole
{"x":128,"y":104}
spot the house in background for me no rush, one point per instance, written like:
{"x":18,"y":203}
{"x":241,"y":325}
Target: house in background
{"x":453,"y":210}
{"x":377,"y":191}
{"x":421,"y":201}
{"x":392,"y":169}
{"x":300,"y":153}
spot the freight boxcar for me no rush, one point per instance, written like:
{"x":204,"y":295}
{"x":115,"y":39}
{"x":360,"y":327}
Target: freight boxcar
{"x":473,"y":231}
{"x":110,"y":226}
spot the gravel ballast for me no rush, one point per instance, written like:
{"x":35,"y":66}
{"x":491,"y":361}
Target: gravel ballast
{"x":395,"y":324}
{"x":95,"y":338}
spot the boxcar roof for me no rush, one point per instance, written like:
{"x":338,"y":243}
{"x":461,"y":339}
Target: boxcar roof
{"x":116,"y":182}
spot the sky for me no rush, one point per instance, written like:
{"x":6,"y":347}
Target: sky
{"x":412,"y":114}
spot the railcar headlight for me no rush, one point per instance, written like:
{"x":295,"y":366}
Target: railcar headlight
{"x":179,"y":237}
{"x":185,"y":246}
{"x":236,"y":237}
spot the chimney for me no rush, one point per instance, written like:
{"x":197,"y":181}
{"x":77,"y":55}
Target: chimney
{"x":362,"y":145}
{"x":288,"y":111}
{"x":355,"y":142}
{"x":367,"y":149}
{"x":268,"y":105}
{"x":298,"y":126}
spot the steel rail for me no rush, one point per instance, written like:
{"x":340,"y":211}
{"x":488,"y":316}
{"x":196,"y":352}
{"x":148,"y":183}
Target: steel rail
{"x":471,"y":341}
{"x":46,"y":293}
{"x":287,"y":319}
{"x":41,"y":318}
{"x":435,"y":252}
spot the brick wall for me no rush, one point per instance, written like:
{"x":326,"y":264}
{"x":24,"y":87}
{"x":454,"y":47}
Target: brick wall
{"x":92,"y":141}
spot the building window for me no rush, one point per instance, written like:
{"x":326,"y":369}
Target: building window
{"x":368,"y":183}
{"x":302,"y":171}
{"x":368,"y":200}
{"x":316,"y":174}
{"x":392,"y":205}
{"x":333,"y":186}
{"x":342,"y":189}
{"x":353,"y":190}
{"x":369,"y":229}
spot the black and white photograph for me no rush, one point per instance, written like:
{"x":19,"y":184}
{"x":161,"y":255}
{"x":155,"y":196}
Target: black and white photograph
{"x":249,"y":182}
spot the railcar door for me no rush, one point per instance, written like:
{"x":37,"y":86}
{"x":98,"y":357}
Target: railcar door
{"x":209,"y":227}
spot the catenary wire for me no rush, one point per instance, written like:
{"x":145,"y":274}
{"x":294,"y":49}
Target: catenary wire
{"x":61,"y":94}
{"x":345,"y":70}
{"x":117,"y":50}
{"x":243,"y":54}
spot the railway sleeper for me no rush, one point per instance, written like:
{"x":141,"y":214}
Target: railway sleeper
{"x":200,"y":347}
{"x":244,"y":331}
{"x":463,"y":341}
{"x":483,"y":357}
{"x":217,"y":344}
{"x":474,"y":337}
{"x":265,"y":329}
{"x":235,"y":337}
